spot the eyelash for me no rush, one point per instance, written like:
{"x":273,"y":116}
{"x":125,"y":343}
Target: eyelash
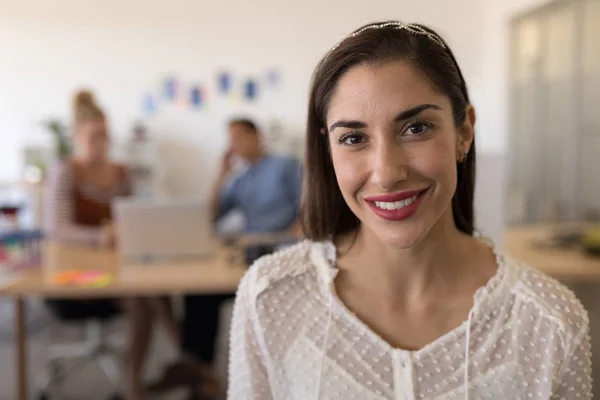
{"x":427,"y":125}
{"x":343,"y":138}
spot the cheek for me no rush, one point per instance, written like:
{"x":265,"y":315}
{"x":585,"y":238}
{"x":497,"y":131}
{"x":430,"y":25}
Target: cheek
{"x":351,"y":171}
{"x":434,"y":159}
{"x":99,"y":144}
{"x":437,"y":162}
{"x":244,"y":144}
{"x":88,"y":144}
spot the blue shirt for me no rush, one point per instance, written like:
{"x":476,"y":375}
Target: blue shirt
{"x":267,"y":194}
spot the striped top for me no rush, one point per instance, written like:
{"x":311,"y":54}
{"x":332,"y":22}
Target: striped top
{"x":75,"y":208}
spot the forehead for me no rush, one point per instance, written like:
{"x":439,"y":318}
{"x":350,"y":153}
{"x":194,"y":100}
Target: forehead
{"x":382,"y":90}
{"x":238,"y":128}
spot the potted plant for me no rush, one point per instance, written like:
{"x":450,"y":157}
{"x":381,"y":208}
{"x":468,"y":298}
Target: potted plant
{"x":62,"y":143}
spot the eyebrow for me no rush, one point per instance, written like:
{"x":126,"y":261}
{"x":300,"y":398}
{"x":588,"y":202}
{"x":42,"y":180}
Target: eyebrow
{"x":406,"y":114}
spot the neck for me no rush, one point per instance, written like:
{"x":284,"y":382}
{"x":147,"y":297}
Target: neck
{"x":402,"y":275}
{"x":92,"y":162}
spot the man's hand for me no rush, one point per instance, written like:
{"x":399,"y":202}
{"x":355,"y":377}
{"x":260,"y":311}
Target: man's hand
{"x":224,"y":170}
{"x":226,"y":162}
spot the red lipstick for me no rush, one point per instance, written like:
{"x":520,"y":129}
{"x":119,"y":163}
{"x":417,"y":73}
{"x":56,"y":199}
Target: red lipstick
{"x":396,"y":206}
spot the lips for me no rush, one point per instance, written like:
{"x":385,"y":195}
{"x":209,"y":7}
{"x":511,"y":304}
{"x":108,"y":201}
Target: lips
{"x":391,"y":197}
{"x":396,"y":206}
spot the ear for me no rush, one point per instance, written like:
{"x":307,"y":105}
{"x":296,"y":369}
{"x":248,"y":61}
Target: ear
{"x":466,"y":132}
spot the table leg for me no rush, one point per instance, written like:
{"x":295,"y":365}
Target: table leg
{"x":21,"y":343}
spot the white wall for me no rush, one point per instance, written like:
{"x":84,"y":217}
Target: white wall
{"x":123,"y":48}
{"x":493,"y":105}
{"x":492,"y":109}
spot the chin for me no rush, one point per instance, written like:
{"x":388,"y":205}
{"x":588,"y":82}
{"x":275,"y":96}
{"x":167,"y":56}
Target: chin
{"x":403,"y":235}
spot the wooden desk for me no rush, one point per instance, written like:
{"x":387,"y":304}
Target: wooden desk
{"x":565,"y":264}
{"x":216,"y":274}
{"x":213,"y":274}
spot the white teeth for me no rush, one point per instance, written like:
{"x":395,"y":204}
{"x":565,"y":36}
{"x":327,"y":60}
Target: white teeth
{"x":395,"y":205}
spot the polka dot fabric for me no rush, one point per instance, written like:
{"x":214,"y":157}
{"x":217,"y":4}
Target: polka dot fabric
{"x":529,"y":339}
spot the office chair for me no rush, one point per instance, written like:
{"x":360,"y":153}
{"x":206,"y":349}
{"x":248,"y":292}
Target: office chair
{"x":65,"y":359}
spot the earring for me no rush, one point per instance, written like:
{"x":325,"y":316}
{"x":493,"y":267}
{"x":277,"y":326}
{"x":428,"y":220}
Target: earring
{"x":463,"y":157}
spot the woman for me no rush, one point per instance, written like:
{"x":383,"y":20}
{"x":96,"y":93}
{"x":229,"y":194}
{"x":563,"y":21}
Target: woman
{"x":393,"y":296}
{"x":79,"y":212}
{"x":81,"y":188}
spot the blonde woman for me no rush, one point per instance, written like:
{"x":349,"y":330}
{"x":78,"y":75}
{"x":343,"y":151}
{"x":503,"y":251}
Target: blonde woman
{"x":79,"y":195}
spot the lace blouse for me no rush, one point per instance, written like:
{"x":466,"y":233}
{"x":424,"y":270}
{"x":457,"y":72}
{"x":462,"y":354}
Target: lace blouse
{"x":527,"y":337}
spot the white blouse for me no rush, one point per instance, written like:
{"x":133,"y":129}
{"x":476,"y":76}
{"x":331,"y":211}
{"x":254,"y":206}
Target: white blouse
{"x":527,"y":337}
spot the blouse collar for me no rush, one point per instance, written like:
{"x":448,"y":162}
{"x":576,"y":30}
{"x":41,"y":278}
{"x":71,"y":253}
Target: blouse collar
{"x":324,"y":255}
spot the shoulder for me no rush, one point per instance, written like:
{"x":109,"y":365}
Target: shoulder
{"x":120,"y":167}
{"x":66,"y":166}
{"x":62,"y":171}
{"x":552,"y":300}
{"x":282,"y":267}
{"x":283,"y":161}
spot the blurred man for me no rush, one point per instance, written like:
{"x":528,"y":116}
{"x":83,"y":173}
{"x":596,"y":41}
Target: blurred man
{"x":267,"y":193}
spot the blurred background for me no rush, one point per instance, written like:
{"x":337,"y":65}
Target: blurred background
{"x":126,"y":52}
{"x":169,"y":74}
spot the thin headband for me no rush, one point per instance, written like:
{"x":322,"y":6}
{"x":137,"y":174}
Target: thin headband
{"x":414,"y":29}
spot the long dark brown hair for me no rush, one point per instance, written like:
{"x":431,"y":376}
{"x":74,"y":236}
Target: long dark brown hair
{"x":324,"y":213}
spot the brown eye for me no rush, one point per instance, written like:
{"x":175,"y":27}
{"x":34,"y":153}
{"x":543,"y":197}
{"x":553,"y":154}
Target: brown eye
{"x":418,"y":128}
{"x":352,"y":139}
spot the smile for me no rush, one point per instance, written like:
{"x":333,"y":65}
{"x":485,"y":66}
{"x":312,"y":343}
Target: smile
{"x":396,"y":206}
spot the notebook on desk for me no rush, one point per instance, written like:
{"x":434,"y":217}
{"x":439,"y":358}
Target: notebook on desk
{"x":162,"y":230}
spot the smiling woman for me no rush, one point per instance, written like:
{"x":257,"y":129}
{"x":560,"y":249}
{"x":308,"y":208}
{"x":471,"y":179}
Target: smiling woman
{"x":426,"y":72}
{"x":403,"y":142}
{"x":392,"y":295}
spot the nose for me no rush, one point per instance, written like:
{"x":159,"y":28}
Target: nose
{"x":389,"y":165}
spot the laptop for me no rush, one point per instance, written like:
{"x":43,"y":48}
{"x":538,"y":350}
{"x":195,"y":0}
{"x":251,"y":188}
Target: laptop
{"x":160,"y":230}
